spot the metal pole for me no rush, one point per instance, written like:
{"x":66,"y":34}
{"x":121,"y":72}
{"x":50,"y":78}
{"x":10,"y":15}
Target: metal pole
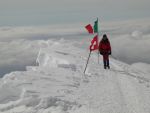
{"x":98,"y":39}
{"x":87,"y":62}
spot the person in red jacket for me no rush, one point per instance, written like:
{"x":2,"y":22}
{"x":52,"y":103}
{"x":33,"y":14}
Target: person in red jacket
{"x":105,"y":50}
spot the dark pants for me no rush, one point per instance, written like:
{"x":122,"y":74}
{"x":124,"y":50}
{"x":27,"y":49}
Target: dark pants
{"x":106,"y":61}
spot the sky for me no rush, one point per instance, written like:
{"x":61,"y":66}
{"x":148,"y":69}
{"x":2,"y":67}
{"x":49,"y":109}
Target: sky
{"x":43,"y":12}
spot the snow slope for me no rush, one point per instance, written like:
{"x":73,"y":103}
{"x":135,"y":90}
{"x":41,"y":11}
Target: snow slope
{"x":57,"y":84}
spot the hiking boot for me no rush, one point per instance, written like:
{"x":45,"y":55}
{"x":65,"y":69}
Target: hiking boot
{"x":108,"y":67}
{"x":104,"y":67}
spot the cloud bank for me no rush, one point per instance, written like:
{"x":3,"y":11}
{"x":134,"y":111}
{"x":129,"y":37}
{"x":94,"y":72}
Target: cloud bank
{"x":19,"y":46}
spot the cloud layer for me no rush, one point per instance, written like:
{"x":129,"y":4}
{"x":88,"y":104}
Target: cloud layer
{"x":19,"y":46}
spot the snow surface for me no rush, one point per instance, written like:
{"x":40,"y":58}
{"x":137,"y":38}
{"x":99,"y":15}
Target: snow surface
{"x":57,"y":84}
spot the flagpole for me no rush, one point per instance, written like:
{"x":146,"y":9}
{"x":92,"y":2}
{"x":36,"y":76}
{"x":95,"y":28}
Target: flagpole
{"x":98,"y":39}
{"x":87,"y":62}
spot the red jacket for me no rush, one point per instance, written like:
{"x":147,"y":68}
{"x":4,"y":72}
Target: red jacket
{"x":104,"y":47}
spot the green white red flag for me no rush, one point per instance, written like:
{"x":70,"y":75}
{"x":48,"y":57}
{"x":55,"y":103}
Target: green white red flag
{"x":94,"y":29}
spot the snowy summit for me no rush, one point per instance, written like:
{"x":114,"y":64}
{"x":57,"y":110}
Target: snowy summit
{"x":57,"y":84}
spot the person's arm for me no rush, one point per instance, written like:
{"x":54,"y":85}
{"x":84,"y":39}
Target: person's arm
{"x":109,"y":49}
{"x":100,"y":48}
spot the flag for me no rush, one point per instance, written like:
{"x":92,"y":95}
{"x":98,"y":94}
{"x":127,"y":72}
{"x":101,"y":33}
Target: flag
{"x":94,"y":43}
{"x":96,"y":26}
{"x":89,"y":28}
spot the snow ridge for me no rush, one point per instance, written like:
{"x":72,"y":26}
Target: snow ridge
{"x":57,"y":84}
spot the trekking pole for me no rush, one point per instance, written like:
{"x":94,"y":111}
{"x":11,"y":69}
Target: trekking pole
{"x":87,"y":62}
{"x":98,"y":38}
{"x":98,"y":56}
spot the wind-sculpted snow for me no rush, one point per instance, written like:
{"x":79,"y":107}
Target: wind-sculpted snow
{"x":19,"y":45}
{"x":57,"y":84}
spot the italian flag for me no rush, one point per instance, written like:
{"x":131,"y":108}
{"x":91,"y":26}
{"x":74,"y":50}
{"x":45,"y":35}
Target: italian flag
{"x":94,"y":29}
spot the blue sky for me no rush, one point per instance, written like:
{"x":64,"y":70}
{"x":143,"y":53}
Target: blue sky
{"x":43,"y":12}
